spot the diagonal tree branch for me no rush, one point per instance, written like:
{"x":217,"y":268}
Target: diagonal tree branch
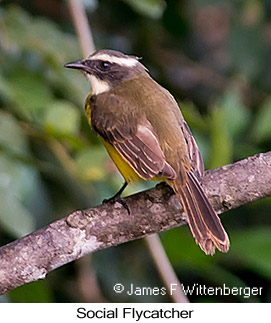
{"x":86,"y":231}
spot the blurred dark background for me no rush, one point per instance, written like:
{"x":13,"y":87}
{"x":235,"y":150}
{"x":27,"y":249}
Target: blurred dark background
{"x":215,"y":58}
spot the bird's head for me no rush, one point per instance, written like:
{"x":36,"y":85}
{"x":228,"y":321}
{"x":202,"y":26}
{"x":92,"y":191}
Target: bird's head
{"x":106,"y":69}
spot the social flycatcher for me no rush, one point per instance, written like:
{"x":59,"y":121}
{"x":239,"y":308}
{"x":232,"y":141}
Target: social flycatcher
{"x":145,"y":134}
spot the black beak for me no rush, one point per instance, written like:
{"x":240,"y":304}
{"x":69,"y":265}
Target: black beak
{"x":79,"y":65}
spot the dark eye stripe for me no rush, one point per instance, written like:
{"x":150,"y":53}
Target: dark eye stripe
{"x":98,"y":64}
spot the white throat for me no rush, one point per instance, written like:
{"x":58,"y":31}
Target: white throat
{"x":97,"y":86}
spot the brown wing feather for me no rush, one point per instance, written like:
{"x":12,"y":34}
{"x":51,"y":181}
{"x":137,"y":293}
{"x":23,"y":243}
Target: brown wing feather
{"x":137,"y":143}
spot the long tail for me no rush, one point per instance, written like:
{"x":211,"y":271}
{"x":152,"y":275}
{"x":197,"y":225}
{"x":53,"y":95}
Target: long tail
{"x":203,"y":221}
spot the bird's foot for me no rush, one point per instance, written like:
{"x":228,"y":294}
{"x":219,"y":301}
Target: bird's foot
{"x":117,"y":198}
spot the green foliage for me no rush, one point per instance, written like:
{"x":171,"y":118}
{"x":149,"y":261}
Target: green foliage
{"x":150,"y":8}
{"x":262,"y":129}
{"x":37,"y":292}
{"x":31,"y":94}
{"x":247,"y":245}
{"x":215,"y":60}
{"x":236,"y":114}
{"x":229,"y":119}
{"x":221,"y":144}
{"x":17,"y":180}
{"x":62,"y":118}
{"x":89,"y":161}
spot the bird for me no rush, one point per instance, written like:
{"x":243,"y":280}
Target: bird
{"x":145,"y":134}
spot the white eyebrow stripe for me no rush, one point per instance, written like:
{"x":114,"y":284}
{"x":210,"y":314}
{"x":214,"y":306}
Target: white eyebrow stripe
{"x":129,"y":61}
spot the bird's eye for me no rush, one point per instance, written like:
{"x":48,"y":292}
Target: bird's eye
{"x":104,"y":65}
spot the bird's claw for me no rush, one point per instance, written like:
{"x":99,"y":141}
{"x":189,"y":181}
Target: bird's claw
{"x":118,"y":199}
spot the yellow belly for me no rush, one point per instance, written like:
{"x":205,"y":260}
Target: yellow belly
{"x":125,"y":169}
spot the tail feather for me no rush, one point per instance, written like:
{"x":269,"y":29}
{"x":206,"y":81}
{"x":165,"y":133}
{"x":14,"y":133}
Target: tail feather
{"x":203,"y":221}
